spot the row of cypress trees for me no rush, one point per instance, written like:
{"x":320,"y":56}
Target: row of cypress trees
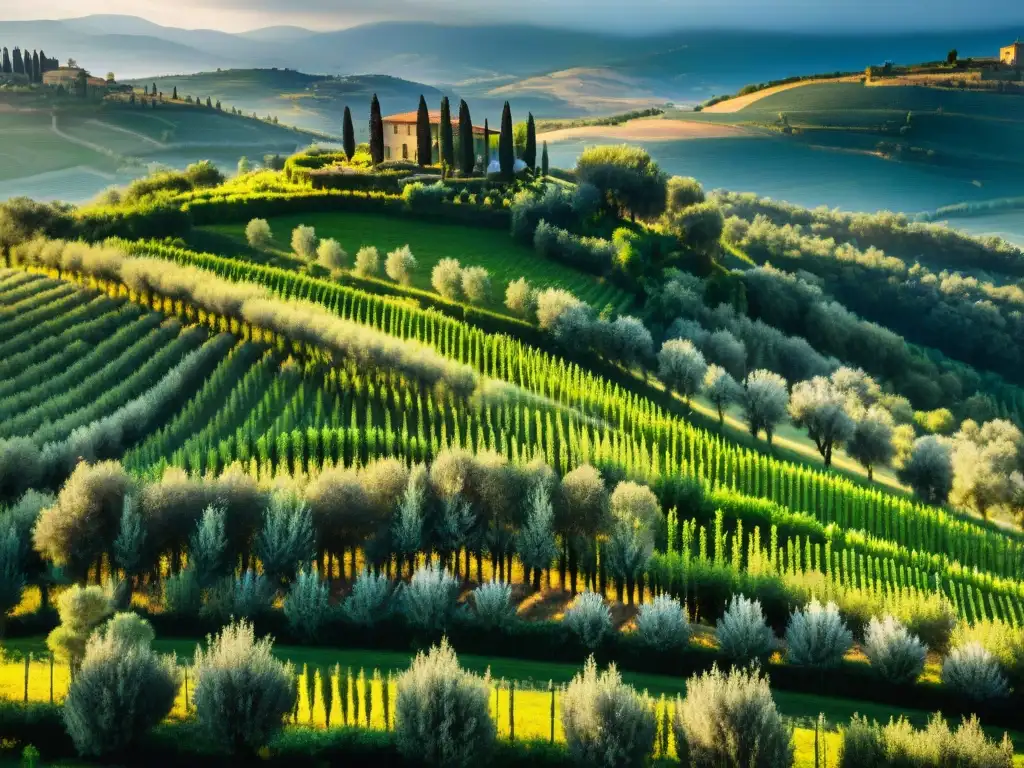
{"x":466,"y":161}
{"x":32,"y":65}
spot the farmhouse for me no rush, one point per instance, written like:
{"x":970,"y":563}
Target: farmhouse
{"x":400,"y":136}
{"x":68,"y":77}
{"x":1013,"y":54}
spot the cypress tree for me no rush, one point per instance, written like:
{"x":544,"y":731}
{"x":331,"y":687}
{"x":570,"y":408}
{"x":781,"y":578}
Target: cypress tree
{"x":348,"y":135}
{"x":424,"y":152}
{"x":506,"y":149}
{"x":376,"y":132}
{"x":19,"y":68}
{"x":7,"y":62}
{"x":174,"y":94}
{"x":44,"y":63}
{"x":209,"y":103}
{"x":446,"y":139}
{"x":153,"y":90}
{"x":37,"y":73}
{"x":530,"y":155}
{"x":467,"y":152}
{"x":487,"y":146}
{"x":544,"y":160}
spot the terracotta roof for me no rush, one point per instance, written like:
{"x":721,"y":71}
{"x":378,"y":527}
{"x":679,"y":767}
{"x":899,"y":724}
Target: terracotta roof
{"x":409,"y":118}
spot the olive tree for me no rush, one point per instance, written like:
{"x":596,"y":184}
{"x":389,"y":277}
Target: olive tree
{"x":476,"y":284}
{"x":682,"y":192}
{"x":872,"y":441}
{"x":535,"y":541}
{"x":721,"y":389}
{"x":330,"y":255}
{"x":764,"y":401}
{"x":304,"y":242}
{"x":820,"y":408}
{"x":630,"y":182}
{"x":682,"y":367}
{"x":367,"y":262}
{"x":929,"y":470}
{"x":984,"y":458}
{"x":446,"y":278}
{"x":521,"y":298}
{"x":636,"y":516}
{"x":258,"y":234}
{"x":400,"y":265}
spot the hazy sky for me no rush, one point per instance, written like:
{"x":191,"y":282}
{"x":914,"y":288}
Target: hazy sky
{"x":611,"y":15}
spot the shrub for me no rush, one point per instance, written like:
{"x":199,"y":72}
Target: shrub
{"x":207,"y":547}
{"x":476,"y":284}
{"x":936,"y":745}
{"x":742,"y":633}
{"x":1003,"y":641}
{"x":367,"y":261}
{"x":258,"y":234}
{"x":429,"y":599}
{"x":307,"y":605}
{"x":130,"y":630}
{"x":932,"y":618}
{"x":304,"y":242}
{"x":247,"y":596}
{"x":242,"y":693}
{"x":606,"y":722}
{"x":330,"y":255}
{"x":730,"y":721}
{"x":662,"y":624}
{"x":121,"y":691}
{"x":400,"y":265}
{"x":442,"y":712}
{"x":492,"y":603}
{"x":817,"y":637}
{"x":862,"y":745}
{"x":521,"y":298}
{"x":182,"y":595}
{"x":446,"y":278}
{"x":286,"y":544}
{"x":973,"y":672}
{"x":589,"y":619}
{"x":371,"y":599}
{"x":81,"y":609}
{"x":895,"y":654}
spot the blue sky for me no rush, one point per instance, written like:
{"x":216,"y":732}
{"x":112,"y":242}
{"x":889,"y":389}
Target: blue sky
{"x":609,"y":15}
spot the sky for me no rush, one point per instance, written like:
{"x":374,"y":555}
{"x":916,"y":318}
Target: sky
{"x":607,"y":15}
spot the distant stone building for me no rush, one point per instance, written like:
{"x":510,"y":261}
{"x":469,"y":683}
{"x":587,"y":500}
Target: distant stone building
{"x":400,"y":136}
{"x":68,"y":77}
{"x":1013,"y":54}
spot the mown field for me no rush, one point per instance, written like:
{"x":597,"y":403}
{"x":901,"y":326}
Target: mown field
{"x":430,"y":242}
{"x":31,"y":148}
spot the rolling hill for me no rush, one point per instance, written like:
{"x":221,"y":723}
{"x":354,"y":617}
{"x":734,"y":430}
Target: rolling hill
{"x":972,"y":130}
{"x":685,"y":66}
{"x":314,"y":102}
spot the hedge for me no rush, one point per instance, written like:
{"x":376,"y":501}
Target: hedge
{"x":382,"y":181}
{"x":184,"y":743}
{"x":553,"y":641}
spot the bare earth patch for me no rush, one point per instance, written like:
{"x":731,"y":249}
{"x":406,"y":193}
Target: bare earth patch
{"x":735,"y":105}
{"x":648,"y":130}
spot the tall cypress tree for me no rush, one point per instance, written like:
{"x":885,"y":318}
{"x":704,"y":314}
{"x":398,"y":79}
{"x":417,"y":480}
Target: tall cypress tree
{"x":424,"y":152}
{"x":506,"y":148}
{"x":376,"y":132}
{"x":446,"y":139}
{"x":19,"y":68}
{"x":7,"y":62}
{"x":530,"y":154}
{"x":487,"y":146}
{"x":44,"y":63}
{"x":348,"y":135}
{"x":544,"y":160}
{"x":37,"y":73}
{"x":467,"y":152}
{"x":174,"y":95}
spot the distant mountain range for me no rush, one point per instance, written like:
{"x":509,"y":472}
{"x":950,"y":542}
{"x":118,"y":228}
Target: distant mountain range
{"x":556,"y":71}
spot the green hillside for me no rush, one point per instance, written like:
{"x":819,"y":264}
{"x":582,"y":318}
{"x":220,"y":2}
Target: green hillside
{"x":925,"y":124}
{"x":314,"y":102}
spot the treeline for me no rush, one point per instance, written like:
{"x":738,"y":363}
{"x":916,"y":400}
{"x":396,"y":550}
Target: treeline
{"x":893,"y":233}
{"x":966,"y":319}
{"x":29,"y":65}
{"x":300,"y":322}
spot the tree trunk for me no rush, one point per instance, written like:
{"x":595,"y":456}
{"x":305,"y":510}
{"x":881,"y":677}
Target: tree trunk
{"x":630,"y":582}
{"x":640,"y":588}
{"x":480,"y":566}
{"x":871,"y":474}
{"x":572,"y":570}
{"x":562,"y":560}
{"x":511,"y":558}
{"x":536,"y":579}
{"x":619,"y":589}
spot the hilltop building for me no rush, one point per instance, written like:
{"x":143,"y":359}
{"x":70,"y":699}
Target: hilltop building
{"x":1013,"y":54}
{"x":400,"y":136}
{"x":68,"y":77}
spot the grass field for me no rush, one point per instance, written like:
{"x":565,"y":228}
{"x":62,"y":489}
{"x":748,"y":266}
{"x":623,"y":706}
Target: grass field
{"x":30,"y":148}
{"x":494,"y":250}
{"x":532,"y":710}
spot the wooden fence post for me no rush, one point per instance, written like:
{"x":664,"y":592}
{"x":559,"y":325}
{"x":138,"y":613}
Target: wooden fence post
{"x":512,"y":711}
{"x":551,"y":687}
{"x":28,"y":660}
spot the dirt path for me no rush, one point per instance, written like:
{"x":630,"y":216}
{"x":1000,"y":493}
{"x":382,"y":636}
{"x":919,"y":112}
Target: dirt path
{"x":735,"y":105}
{"x":80,"y":142}
{"x":134,"y":134}
{"x":648,"y":130}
